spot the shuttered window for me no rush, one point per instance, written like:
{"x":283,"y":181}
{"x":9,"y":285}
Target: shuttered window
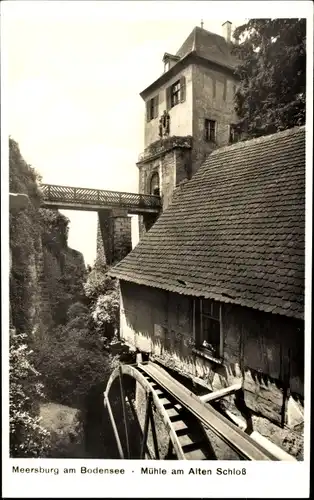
{"x":176,"y":93}
{"x":152,"y":108}
{"x":225,"y":89}
{"x":182,"y":88}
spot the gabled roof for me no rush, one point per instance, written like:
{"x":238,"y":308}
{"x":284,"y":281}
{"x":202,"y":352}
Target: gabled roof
{"x":235,"y":231}
{"x":209,"y":46}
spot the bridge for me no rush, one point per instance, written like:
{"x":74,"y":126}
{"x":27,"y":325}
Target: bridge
{"x":76,"y":198}
{"x":114,"y":240}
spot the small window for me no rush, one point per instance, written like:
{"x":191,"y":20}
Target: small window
{"x":234,"y":134}
{"x":152,"y":108}
{"x":208,"y":333}
{"x":210,"y":130}
{"x":167,"y":66}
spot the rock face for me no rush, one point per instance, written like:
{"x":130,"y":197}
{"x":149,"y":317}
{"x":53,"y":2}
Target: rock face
{"x":45,"y":274}
{"x":66,"y":428}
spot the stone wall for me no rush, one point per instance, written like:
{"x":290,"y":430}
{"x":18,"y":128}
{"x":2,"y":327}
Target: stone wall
{"x":213,"y":98}
{"x":256,"y":347}
{"x":173,"y":166}
{"x":114,"y":236}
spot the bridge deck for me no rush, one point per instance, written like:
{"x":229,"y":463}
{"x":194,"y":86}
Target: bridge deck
{"x":75,"y":198}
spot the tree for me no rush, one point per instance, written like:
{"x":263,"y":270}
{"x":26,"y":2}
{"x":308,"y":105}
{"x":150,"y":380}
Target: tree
{"x":272,"y":65}
{"x":98,"y":283}
{"x":103,"y":295}
{"x":106,"y":313}
{"x":72,"y":359}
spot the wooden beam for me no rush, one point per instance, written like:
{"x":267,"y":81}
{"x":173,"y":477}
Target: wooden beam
{"x":214,"y":396}
{"x":115,"y":430}
{"x":124,"y":413}
{"x":152,"y":421}
{"x":135,"y":417}
{"x":211,"y":418}
{"x":146,"y":424}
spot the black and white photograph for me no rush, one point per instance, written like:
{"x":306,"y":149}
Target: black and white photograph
{"x":156,"y":208}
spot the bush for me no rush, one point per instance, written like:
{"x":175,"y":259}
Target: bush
{"x":27,"y":437}
{"x":98,"y":283}
{"x":106,"y":313}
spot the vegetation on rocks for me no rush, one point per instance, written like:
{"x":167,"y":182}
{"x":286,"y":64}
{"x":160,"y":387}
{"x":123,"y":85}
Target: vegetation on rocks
{"x":27,"y":436}
{"x":63,"y":354}
{"x":72,"y":360}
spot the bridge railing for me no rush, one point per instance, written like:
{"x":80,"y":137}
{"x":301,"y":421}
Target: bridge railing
{"x":98,"y":196}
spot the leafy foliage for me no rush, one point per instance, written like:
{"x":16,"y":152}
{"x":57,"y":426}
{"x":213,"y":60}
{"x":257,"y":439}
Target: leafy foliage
{"x":271,"y":93}
{"x":55,"y":228}
{"x":98,"y":283}
{"x":72,"y":360}
{"x":103,"y":294}
{"x":69,"y":350}
{"x":27,"y":437}
{"x":106,"y":313}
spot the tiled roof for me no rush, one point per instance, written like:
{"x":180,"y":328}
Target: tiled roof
{"x":202,"y":43}
{"x":235,"y":231}
{"x":209,"y":46}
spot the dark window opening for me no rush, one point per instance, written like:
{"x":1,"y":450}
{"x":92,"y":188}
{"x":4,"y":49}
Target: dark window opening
{"x":210,"y":130}
{"x":234,"y":134}
{"x":208,"y":333}
{"x":175,"y":93}
{"x":154,"y":184}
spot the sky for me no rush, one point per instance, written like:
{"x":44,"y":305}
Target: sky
{"x":73,"y":73}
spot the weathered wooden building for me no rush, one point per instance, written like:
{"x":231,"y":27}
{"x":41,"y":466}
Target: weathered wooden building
{"x":215,"y":289}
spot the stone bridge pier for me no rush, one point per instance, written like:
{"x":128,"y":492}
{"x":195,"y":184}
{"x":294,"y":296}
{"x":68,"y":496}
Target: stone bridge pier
{"x":114,"y":237}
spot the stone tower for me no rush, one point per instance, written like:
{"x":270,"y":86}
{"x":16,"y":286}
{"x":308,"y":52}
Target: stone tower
{"x":189,"y":112}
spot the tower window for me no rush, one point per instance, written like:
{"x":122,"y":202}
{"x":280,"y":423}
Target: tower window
{"x":154,"y":184}
{"x":234,"y":134}
{"x":210,"y":130}
{"x":175,"y":93}
{"x":152,"y":108}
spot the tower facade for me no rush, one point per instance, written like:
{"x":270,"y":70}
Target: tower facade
{"x":189,"y":112}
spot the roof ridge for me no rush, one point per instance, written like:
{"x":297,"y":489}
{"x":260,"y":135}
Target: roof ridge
{"x":194,"y":40}
{"x":210,"y":32}
{"x":258,"y":140}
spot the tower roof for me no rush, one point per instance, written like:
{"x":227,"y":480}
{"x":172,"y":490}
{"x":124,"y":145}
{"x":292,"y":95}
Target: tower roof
{"x":209,"y":46}
{"x":205,"y":46}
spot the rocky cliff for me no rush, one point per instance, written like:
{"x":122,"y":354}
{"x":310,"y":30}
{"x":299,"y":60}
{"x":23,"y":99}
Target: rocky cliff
{"x":46,"y":275}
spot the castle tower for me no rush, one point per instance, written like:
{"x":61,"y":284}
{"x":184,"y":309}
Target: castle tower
{"x":189,"y":112}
